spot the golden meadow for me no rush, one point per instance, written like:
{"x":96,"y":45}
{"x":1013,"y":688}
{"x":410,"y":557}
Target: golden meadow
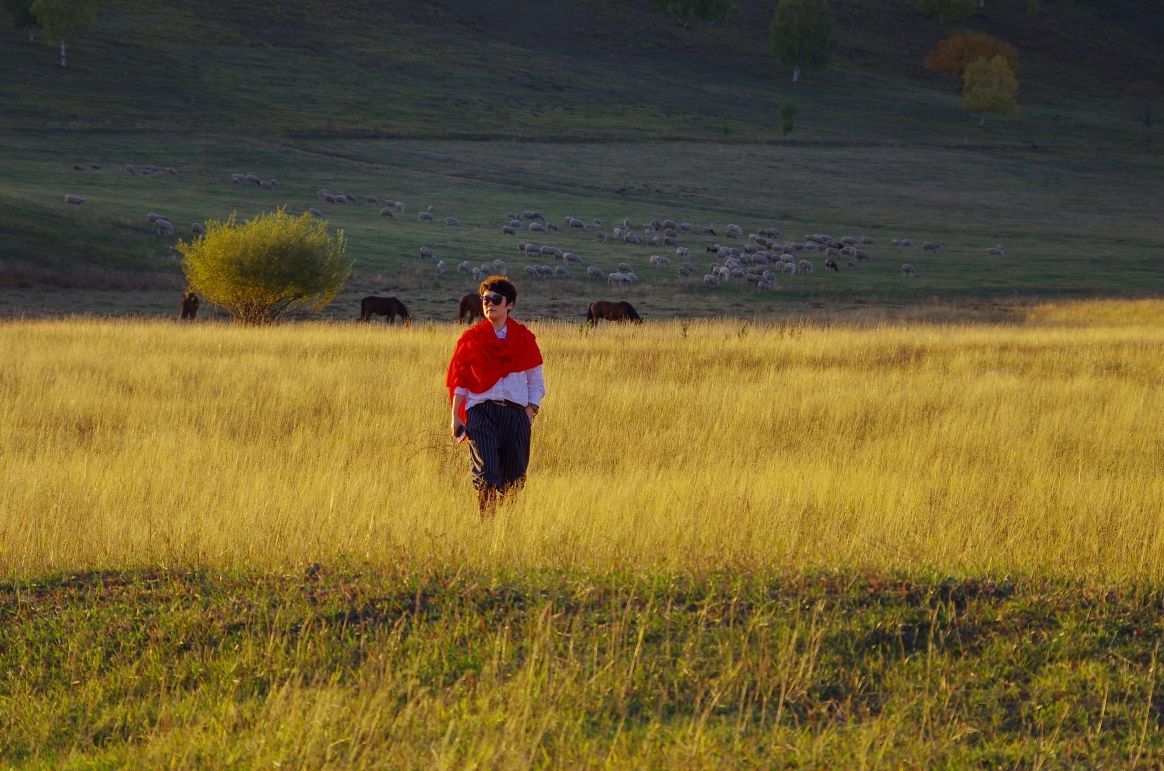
{"x":1030,"y":448}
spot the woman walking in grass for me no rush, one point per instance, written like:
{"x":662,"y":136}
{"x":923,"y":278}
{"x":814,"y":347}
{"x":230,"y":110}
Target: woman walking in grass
{"x":496,"y":387}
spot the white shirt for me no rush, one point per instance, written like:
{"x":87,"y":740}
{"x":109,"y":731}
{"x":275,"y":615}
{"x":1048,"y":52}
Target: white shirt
{"x":525,"y":387}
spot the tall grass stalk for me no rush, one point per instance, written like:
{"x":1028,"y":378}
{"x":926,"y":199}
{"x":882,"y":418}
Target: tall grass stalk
{"x":1030,"y":449}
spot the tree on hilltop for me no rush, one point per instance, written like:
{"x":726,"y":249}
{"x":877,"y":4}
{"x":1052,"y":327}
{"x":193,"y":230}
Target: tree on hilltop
{"x":705,"y":10}
{"x":20,"y":11}
{"x":802,"y":35}
{"x":258,"y":270}
{"x":63,"y":20}
{"x":989,"y":87}
{"x":954,"y":54}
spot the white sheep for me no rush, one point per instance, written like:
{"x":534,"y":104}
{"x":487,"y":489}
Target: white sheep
{"x":164,"y":226}
{"x":537,"y":227}
{"x":908,"y":270}
{"x":501,"y":268}
{"x":74,"y":199}
{"x":426,"y":253}
{"x":314,"y":212}
{"x":806,"y":267}
{"x":465,"y":267}
{"x":571,"y":258}
{"x":595,"y":272}
{"x":931,"y":246}
{"x":424,"y":216}
{"x":509,"y":230}
{"x":452,"y":222}
{"x":387,"y":212}
{"x":442,"y":266}
{"x":996,"y":251}
{"x":618,"y":277}
{"x":711,"y":281}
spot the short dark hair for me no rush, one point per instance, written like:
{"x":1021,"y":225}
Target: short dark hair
{"x":501,"y":285}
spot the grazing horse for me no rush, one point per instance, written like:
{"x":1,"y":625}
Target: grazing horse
{"x":388,"y":307}
{"x":189,"y":305}
{"x":611,"y":311}
{"x":470,"y":308}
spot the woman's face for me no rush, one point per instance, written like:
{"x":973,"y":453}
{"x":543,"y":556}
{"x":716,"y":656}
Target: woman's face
{"x":496,"y":307}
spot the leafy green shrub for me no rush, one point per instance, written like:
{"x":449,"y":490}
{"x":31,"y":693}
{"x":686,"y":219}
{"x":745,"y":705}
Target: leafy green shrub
{"x":258,"y":270}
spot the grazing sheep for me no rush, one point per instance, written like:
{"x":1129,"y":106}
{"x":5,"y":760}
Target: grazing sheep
{"x":372,"y":199}
{"x":831,"y":265}
{"x":198,"y":229}
{"x":551,"y":226}
{"x":560,"y":271}
{"x":624,"y":267}
{"x":509,"y":230}
{"x":618,"y":277}
{"x":441,"y":267}
{"x":465,"y":267}
{"x":236,"y":179}
{"x":314,"y":212}
{"x":74,"y":199}
{"x":931,"y":246}
{"x":805,"y":266}
{"x":452,"y":222}
{"x":682,"y":253}
{"x":788,"y":267}
{"x":600,"y":235}
{"x":501,"y":268}
{"x":552,"y":251}
{"x":426,"y":253}
{"x":659,"y":261}
{"x":711,"y":281}
{"x":908,"y":270}
{"x":595,"y":273}
{"x":130,"y":169}
{"x":531,"y":270}
{"x":478,"y":274}
{"x":537,"y":227}
{"x":164,"y":226}
{"x":996,"y":251}
{"x":571,"y":258}
{"x":424,"y":216}
{"x":686,"y":270}
{"x":850,"y":240}
{"x":533,"y":250}
{"x":633,"y":238}
{"x":252,"y":180}
{"x":766,"y":284}
{"x":387,"y":212}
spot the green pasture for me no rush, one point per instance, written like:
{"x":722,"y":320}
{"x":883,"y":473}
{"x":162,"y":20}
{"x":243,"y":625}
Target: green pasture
{"x":1073,"y":224}
{"x":349,"y":667}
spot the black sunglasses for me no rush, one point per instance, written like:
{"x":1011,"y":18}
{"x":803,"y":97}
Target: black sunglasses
{"x":492,"y":298}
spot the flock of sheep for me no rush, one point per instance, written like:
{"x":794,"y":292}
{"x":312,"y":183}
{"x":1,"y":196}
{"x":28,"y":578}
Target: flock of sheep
{"x":760,"y":257}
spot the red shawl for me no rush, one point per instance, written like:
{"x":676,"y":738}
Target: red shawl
{"x":481,"y":358}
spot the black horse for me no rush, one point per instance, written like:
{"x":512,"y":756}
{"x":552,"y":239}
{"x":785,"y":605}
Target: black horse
{"x":470,"y":308}
{"x":612,"y":311}
{"x":389,"y":307}
{"x":190,"y":304}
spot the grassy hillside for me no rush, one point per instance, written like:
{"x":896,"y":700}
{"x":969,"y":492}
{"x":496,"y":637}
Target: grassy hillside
{"x":594,"y":109}
{"x":595,"y":69}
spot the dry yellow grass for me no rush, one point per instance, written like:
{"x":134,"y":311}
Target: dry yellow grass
{"x":1000,"y":449}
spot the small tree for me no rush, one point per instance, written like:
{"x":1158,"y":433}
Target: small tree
{"x":63,"y":20}
{"x":787,"y":117}
{"x":802,"y":35}
{"x":989,"y":86}
{"x":949,"y":10}
{"x":705,"y":10}
{"x":20,"y":11}
{"x":952,"y":55}
{"x":260,"y":269}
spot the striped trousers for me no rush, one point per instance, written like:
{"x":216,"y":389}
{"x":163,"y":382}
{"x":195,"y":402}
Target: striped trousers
{"x":498,"y":450}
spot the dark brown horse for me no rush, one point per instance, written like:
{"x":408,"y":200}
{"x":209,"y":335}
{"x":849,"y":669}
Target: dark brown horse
{"x":470,"y":308}
{"x":612,"y":311}
{"x":388,"y":307}
{"x":190,"y":304}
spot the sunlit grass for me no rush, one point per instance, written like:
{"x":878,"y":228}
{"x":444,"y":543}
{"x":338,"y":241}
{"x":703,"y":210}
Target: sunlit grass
{"x":675,"y":446}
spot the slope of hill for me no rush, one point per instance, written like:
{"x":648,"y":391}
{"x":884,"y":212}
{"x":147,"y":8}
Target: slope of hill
{"x":571,"y":70}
